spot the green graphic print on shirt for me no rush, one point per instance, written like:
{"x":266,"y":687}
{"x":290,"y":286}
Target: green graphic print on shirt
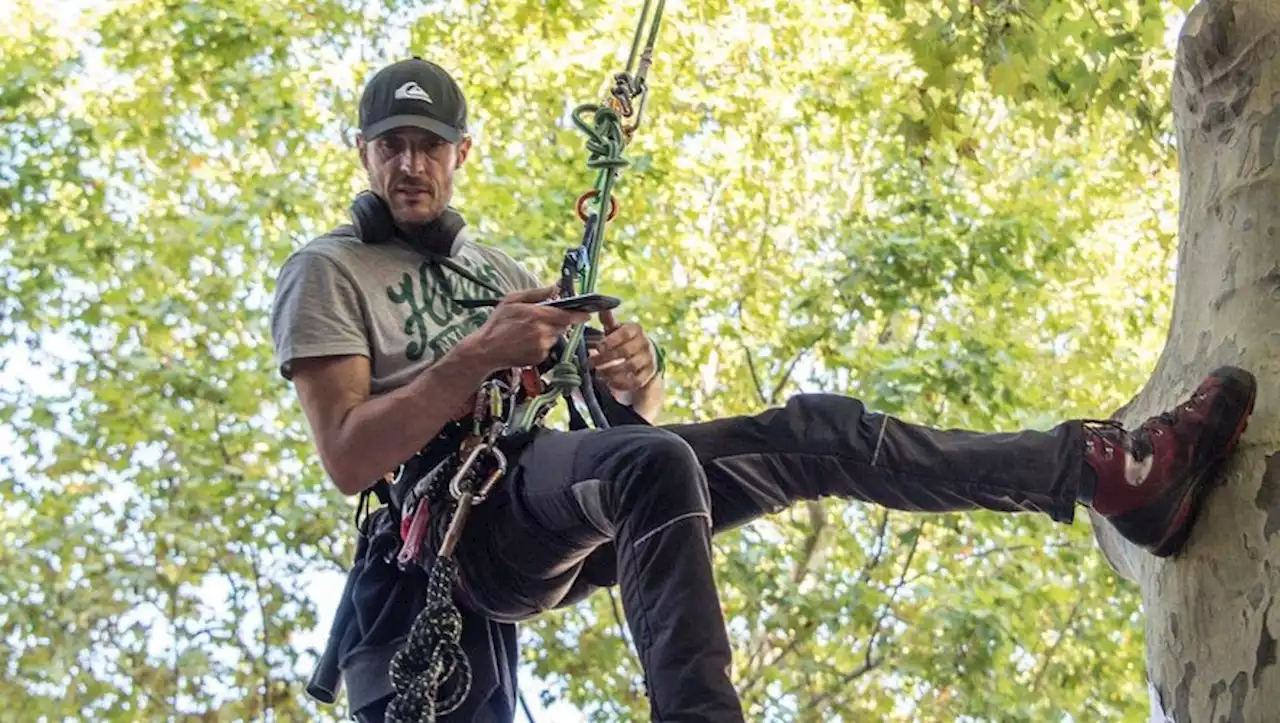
{"x":436,"y":321}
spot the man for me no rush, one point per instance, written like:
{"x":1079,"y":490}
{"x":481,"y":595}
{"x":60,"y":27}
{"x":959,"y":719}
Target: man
{"x":384,"y":358}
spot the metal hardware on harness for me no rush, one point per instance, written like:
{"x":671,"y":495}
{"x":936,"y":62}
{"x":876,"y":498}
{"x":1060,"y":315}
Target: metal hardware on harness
{"x":454,"y":532}
{"x":482,"y":493}
{"x":416,"y":515}
{"x":455,"y":484}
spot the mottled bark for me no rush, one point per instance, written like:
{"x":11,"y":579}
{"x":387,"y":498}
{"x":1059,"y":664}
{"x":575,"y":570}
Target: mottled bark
{"x":1213,"y":614}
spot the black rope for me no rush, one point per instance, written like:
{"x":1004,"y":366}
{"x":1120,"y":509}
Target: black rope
{"x":524,"y":705}
{"x":431,"y":673}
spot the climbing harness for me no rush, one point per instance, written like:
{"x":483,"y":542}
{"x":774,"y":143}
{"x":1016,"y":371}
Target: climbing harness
{"x":431,"y":674}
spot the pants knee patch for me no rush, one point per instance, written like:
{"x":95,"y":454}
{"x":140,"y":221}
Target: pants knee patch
{"x":590,"y":496}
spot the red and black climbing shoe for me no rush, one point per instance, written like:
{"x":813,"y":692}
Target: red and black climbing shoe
{"x":1151,"y":480}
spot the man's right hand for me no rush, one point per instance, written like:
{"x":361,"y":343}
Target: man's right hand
{"x":519,"y":332}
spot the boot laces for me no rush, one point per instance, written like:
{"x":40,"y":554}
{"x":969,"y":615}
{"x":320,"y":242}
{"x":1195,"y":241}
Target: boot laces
{"x":1109,"y":433}
{"x":1114,"y":436}
{"x":1137,"y":442}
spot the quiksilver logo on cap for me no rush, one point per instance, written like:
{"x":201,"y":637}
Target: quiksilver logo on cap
{"x":412,"y":91}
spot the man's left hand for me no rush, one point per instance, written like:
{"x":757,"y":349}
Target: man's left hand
{"x":624,"y":359}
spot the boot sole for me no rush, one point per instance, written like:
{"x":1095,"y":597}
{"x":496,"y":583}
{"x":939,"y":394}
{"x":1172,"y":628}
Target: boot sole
{"x":1194,"y":494}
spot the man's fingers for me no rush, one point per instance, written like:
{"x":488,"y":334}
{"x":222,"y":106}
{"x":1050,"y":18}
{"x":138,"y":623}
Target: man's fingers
{"x":628,"y":347}
{"x":624,"y":376}
{"x":607,"y":320}
{"x":634,"y":350}
{"x":532,"y":296}
{"x":559,"y":317}
{"x":620,"y":336}
{"x":636,"y":373}
{"x":604,"y":355}
{"x":617,"y":365}
{"x":615,"y":375}
{"x":610,"y":367}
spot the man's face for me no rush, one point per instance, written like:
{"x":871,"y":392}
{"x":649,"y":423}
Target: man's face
{"x":413,"y":170}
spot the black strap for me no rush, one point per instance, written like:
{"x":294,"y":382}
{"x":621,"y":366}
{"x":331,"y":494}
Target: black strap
{"x":379,"y":489}
{"x":383,"y":490}
{"x":436,"y":237}
{"x":435,"y":242}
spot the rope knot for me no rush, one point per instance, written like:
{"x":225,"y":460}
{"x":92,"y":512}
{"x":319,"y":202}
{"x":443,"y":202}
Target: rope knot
{"x":431,"y":673}
{"x":605,"y":140}
{"x":564,"y":377}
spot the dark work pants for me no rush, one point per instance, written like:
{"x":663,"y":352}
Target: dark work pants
{"x":650,"y":499}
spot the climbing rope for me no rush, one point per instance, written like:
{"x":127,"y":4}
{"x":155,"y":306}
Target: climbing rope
{"x":431,"y":674}
{"x":607,"y":139}
{"x":432,"y":656}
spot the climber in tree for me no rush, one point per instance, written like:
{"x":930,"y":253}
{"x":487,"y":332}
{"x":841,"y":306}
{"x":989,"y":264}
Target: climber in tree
{"x":385,"y":358}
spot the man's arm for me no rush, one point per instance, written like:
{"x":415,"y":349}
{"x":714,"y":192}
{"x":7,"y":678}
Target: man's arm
{"x":361,"y":438}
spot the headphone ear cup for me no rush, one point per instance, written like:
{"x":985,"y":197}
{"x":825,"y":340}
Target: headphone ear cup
{"x":371,"y":218}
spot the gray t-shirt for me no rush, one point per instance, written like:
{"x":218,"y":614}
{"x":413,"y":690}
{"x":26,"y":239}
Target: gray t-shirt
{"x":338,"y":295}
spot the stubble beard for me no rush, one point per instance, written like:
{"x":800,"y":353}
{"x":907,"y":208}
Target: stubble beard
{"x":416,"y":223}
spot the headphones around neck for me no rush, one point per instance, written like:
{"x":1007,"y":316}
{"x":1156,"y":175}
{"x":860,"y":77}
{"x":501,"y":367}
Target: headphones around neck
{"x":372,"y":218}
{"x":373,"y":223}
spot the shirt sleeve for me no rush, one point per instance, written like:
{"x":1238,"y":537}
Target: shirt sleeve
{"x":317,"y":312}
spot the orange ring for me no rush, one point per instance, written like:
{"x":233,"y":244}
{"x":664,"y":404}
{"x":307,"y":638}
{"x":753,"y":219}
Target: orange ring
{"x":582,"y":202}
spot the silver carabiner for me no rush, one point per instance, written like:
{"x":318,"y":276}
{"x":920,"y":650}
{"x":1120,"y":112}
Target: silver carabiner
{"x":455,"y":484}
{"x":483,"y":493}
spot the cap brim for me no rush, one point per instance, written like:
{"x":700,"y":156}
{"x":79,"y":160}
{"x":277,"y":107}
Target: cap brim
{"x":444,"y":130}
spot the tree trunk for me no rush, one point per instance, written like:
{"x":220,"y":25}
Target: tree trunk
{"x":1213,"y":614}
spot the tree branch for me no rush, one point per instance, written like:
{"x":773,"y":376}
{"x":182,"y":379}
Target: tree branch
{"x":867,"y":666}
{"x":804,"y":633}
{"x":874,"y":561}
{"x":622,"y":633}
{"x":173,"y":625}
{"x":1062,"y":633}
{"x":266,"y":631}
{"x":915,"y":338}
{"x":869,"y":662}
{"x":779,"y":385}
{"x":893,"y":595}
{"x":811,"y":552}
{"x":813,"y":542}
{"x":617,"y":617}
{"x":524,"y":706}
{"x":755,"y":378}
{"x":995,"y":550}
{"x":784,"y":378}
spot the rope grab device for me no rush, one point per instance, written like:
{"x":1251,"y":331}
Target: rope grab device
{"x":430,"y":673}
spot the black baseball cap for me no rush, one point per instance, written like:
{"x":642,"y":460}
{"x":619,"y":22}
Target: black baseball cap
{"x":414,"y":93}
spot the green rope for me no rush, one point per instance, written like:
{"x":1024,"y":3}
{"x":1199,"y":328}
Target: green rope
{"x":565,"y":377}
{"x":605,"y":144}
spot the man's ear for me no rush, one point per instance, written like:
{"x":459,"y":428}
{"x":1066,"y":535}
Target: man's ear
{"x":464,"y":147}
{"x":363,"y":149}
